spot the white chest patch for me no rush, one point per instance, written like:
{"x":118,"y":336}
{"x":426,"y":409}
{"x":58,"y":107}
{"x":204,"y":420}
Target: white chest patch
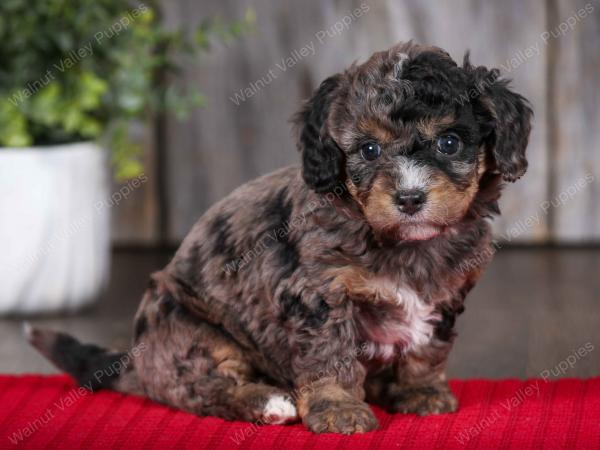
{"x":402,"y":324}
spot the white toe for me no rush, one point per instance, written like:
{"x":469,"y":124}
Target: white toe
{"x":279,"y":409}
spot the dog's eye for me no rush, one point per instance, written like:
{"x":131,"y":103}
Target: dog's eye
{"x":449,"y":144}
{"x":370,"y":151}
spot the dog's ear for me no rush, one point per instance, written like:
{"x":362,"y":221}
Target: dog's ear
{"x":322,"y":159}
{"x":508,"y":123}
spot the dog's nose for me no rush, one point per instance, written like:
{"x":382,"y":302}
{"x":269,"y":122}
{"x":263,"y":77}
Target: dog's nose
{"x":410,"y":202}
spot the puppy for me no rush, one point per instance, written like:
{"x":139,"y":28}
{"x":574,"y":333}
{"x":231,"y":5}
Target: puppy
{"x":311,"y":291}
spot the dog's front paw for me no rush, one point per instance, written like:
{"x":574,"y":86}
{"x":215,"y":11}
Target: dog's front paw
{"x":424,"y":400}
{"x":340,"y":416}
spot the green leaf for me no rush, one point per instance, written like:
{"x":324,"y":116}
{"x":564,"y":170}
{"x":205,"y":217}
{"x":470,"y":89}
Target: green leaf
{"x":120,"y":78}
{"x":91,"y":88}
{"x":45,"y":107}
{"x":13,"y":128}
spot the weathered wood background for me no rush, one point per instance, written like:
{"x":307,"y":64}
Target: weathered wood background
{"x":550,"y":48}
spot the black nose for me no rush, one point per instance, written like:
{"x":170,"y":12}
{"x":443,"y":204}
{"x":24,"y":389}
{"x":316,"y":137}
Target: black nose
{"x":410,"y":202}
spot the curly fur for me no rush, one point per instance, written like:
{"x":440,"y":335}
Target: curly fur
{"x":308,"y":286}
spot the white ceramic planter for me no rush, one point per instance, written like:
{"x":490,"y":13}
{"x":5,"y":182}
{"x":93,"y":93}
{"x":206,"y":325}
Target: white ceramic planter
{"x":54,"y":227}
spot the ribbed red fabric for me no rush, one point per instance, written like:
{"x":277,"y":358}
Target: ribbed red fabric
{"x":51,"y":412}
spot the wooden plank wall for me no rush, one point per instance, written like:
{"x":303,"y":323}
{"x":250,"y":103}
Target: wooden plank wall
{"x":233,"y":140}
{"x":576,"y":125}
{"x":136,"y":215}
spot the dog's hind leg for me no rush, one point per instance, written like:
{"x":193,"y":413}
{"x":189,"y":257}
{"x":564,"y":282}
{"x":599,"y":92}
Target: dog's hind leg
{"x":177,"y":360}
{"x":192,"y":365}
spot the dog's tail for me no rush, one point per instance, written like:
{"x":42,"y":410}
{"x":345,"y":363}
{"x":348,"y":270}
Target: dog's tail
{"x":92,"y":367}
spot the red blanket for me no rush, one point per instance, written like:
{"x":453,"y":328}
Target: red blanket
{"x":51,"y":412}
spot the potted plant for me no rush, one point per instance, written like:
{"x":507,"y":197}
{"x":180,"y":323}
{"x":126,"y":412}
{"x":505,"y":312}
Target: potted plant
{"x":73,"y":78}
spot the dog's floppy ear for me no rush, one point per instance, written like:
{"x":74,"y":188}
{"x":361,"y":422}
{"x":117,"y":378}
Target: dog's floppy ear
{"x":509,"y":123}
{"x":322,"y":159}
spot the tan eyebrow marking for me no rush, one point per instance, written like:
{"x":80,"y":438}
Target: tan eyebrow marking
{"x":377,"y":130}
{"x":429,"y":128}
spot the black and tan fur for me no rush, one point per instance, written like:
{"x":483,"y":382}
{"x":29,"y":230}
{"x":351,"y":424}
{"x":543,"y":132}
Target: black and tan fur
{"x":308,"y":285}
